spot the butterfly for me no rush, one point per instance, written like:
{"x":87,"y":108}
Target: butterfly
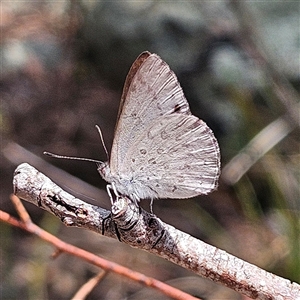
{"x":160,"y":150}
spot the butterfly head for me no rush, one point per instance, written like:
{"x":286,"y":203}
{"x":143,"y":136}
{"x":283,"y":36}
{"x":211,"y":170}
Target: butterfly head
{"x":104,"y":170}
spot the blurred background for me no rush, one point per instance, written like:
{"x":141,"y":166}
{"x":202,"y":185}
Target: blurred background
{"x":63,"y":65}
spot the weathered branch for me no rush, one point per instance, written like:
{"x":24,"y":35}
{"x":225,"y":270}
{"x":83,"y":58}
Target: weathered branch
{"x":108,"y":266}
{"x":143,"y":230}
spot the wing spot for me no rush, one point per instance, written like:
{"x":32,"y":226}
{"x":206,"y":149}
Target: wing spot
{"x":184,"y":167}
{"x":143,"y":151}
{"x":177,"y":108}
{"x":164,"y":135}
{"x":152,"y":161}
{"x":133,"y":159}
{"x":159,"y":150}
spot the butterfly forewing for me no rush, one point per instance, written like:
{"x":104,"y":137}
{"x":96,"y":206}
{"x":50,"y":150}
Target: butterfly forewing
{"x":153,"y":91}
{"x":160,"y":150}
{"x":133,"y":69}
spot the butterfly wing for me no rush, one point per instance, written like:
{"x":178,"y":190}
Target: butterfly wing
{"x":151,"y":90}
{"x":177,"y":157}
{"x":133,"y":69}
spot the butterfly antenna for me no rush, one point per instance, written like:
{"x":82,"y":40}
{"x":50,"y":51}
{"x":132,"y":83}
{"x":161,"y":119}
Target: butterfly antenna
{"x":71,"y":157}
{"x":102,"y":141}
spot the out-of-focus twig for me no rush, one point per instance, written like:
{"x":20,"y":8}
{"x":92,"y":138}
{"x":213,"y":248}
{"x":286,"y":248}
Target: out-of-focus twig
{"x":23,"y":214}
{"x":256,"y":148}
{"x":251,"y":42}
{"x":85,"y":290}
{"x":17,"y":154}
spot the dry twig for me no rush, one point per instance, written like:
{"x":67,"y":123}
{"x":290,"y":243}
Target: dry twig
{"x":145,"y":231}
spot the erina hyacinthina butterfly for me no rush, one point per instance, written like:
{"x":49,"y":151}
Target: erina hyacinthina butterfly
{"x":160,"y":150}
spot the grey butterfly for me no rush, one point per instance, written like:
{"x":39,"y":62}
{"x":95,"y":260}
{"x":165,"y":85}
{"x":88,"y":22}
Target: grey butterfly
{"x":160,"y":150}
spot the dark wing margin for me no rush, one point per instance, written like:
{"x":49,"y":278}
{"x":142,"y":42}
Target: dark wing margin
{"x":133,"y":69}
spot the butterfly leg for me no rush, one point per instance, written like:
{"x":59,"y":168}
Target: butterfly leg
{"x":151,"y":206}
{"x":112,"y":187}
{"x":135,"y":199}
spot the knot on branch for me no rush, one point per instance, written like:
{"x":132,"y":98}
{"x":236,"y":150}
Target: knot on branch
{"x":136,"y":226}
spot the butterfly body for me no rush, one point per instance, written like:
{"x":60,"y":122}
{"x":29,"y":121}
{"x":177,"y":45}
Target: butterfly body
{"x":160,"y":150}
{"x":126,"y":185}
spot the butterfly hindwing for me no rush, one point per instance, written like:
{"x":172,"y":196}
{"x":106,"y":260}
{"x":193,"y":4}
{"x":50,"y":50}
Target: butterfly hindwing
{"x":177,"y":157}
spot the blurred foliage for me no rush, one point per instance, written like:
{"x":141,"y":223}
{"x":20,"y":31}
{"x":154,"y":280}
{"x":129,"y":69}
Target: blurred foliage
{"x":63,"y":65}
